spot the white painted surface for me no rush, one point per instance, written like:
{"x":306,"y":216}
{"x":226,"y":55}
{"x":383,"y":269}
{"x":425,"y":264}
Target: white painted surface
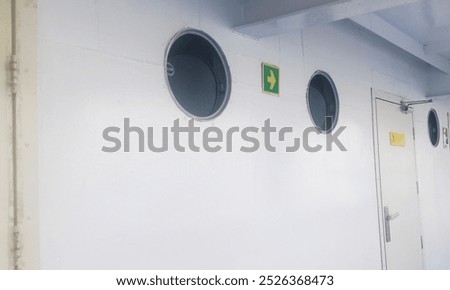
{"x":103,"y":61}
{"x":438,"y":84}
{"x":435,"y":47}
{"x":434,"y":174}
{"x":430,"y":21}
{"x":300,"y":16}
{"x":384,"y":29}
{"x":398,"y":188}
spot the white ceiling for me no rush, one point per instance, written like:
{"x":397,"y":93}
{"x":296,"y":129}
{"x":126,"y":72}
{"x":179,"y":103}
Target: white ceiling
{"x":427,"y":21}
{"x":419,"y":27}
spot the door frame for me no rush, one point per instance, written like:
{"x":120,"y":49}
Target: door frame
{"x":394,"y":99}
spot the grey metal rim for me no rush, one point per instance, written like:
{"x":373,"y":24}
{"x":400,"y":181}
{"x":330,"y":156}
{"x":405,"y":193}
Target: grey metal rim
{"x":223,"y":60}
{"x":336,"y":97}
{"x":438,"y":137}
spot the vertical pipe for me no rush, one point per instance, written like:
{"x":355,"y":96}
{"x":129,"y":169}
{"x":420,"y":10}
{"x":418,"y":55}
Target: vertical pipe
{"x":16,"y":240}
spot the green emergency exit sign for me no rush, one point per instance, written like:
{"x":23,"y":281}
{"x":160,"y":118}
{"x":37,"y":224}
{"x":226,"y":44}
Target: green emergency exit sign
{"x":270,"y":79}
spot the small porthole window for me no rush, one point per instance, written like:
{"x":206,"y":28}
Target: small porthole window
{"x":323,"y":102}
{"x":433,"y":127}
{"x":198,"y":75}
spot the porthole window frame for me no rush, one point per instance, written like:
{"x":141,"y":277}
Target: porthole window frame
{"x":223,"y":59}
{"x":336,"y":98}
{"x":438,"y":128}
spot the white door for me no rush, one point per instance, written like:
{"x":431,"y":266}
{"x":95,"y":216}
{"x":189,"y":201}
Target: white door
{"x":398,"y":192}
{"x":5,"y":53}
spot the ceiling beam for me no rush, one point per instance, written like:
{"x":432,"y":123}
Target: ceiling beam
{"x":384,"y":29}
{"x":437,"y":47}
{"x":297,"y":20}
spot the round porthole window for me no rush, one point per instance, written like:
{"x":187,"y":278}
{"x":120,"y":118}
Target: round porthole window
{"x":433,"y":127}
{"x":323,"y":102}
{"x":198,"y":75}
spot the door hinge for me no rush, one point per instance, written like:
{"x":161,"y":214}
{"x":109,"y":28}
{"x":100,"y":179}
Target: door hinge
{"x":14,"y":70}
{"x":414,"y":133}
{"x":421,"y":242}
{"x":417,"y":186}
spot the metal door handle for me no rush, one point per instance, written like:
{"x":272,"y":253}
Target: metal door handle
{"x":394,"y":216}
{"x":387,"y":222}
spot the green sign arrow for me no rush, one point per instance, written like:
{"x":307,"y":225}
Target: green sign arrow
{"x":270,"y":79}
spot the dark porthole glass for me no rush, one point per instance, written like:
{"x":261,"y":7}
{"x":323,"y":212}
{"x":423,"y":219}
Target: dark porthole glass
{"x":323,"y":102}
{"x":198,"y":74}
{"x":433,"y":127}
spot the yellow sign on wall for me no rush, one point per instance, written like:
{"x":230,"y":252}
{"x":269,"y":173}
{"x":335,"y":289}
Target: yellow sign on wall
{"x":398,"y":139}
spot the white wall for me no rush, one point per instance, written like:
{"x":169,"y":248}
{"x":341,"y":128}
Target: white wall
{"x":101,"y":61}
{"x":434,"y":174}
